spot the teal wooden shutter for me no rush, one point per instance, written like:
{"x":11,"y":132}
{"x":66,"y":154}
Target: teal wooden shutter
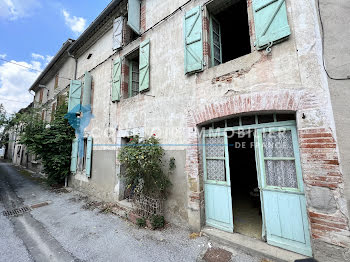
{"x":87,"y":90}
{"x":88,"y":157}
{"x":134,"y":14}
{"x":215,"y":39}
{"x":271,"y":21}
{"x":74,"y":95}
{"x":193,"y":40}
{"x":144,"y":66}
{"x":116,"y":79}
{"x":74,"y":156}
{"x":118,"y":33}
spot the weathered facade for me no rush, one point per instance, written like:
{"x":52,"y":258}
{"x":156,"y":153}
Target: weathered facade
{"x":51,"y":90}
{"x":179,"y":72}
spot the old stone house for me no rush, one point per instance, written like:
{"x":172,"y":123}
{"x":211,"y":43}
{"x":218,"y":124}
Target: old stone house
{"x":51,"y":89}
{"x":238,"y":95}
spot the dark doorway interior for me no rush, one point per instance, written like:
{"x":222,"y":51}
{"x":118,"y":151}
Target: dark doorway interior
{"x":244,"y":185}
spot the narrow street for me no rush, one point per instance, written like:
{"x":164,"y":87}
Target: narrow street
{"x":64,"y":231}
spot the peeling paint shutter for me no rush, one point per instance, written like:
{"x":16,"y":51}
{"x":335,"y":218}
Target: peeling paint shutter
{"x":87,"y":90}
{"x":271,"y":21}
{"x":117,"y":73}
{"x":74,"y":156}
{"x":88,"y":156}
{"x":144,"y":66}
{"x":193,"y":40}
{"x":118,"y":33}
{"x":74,"y":96}
{"x":134,"y":14}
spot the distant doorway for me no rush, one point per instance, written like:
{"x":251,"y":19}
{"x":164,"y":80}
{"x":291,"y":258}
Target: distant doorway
{"x":245,"y":195}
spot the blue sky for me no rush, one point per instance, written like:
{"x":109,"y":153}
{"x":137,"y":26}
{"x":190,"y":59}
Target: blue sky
{"x":31,"y":32}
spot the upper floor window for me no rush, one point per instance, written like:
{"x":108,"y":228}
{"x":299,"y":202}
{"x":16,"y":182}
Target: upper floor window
{"x":228,"y":30}
{"x":133,"y":77}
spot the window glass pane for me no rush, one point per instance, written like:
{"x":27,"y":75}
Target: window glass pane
{"x":285,"y":117}
{"x":216,"y":53}
{"x":220,"y":124}
{"x":265,"y":119}
{"x":248,"y":120}
{"x":214,"y":146}
{"x":215,"y":26}
{"x":278,"y":144}
{"x":281,"y":173}
{"x":233,"y":122}
{"x":216,"y":170}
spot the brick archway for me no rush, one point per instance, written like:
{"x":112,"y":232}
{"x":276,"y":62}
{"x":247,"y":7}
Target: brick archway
{"x":317,"y":145}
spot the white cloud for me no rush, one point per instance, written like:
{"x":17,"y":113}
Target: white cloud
{"x":38,"y":56}
{"x":48,"y":58}
{"x":15,"y":82}
{"x":3,"y":56}
{"x":76,"y":24}
{"x":15,"y":9}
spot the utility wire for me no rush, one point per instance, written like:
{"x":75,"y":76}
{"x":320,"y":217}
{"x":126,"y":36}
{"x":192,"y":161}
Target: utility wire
{"x":322,"y":35}
{"x":29,"y":68}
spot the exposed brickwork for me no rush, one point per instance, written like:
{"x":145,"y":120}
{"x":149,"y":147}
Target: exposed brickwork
{"x":125,"y":81}
{"x":206,"y":49}
{"x":318,"y":152}
{"x":143,"y":16}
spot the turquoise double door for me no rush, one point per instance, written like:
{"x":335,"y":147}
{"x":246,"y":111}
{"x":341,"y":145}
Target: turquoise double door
{"x":283,"y":203}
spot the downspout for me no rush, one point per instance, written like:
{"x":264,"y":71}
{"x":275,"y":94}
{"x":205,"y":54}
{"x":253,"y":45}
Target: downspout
{"x":75,"y":77}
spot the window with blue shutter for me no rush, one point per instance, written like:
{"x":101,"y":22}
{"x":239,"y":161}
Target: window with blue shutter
{"x":74,"y":156}
{"x":271,"y":21}
{"x":193,"y":38}
{"x":144,"y":66}
{"x":88,"y":157}
{"x":134,"y":15}
{"x":116,"y":79}
{"x":118,"y":33}
{"x":229,"y":34}
{"x":74,"y":96}
{"x":87,"y":90}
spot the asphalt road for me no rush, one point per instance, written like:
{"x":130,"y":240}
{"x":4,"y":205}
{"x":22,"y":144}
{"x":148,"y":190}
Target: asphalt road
{"x":64,"y":231}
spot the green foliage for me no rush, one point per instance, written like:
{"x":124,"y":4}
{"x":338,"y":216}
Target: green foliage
{"x":144,"y":166}
{"x":51,"y":143}
{"x":141,"y":222}
{"x":157,"y":221}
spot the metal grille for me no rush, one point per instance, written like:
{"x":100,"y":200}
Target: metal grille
{"x":16,"y":212}
{"x":146,"y":206}
{"x":215,"y":147}
{"x":216,"y":170}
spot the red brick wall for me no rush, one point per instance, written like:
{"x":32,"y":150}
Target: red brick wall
{"x":143,"y":16}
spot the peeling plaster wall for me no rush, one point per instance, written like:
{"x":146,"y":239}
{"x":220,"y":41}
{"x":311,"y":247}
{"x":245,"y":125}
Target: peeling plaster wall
{"x":289,"y":79}
{"x":336,"y":18}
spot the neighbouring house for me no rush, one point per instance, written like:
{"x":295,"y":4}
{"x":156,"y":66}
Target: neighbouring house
{"x":15,"y":151}
{"x":51,"y":90}
{"x":237,"y":93}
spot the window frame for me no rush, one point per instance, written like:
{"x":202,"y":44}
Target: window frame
{"x":130,"y":91}
{"x":211,"y":33}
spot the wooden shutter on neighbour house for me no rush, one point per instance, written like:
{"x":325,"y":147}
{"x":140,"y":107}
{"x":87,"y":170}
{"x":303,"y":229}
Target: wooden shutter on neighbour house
{"x":74,"y":95}
{"x":53,"y":111}
{"x":118,"y":33}
{"x":116,"y":79}
{"x":88,"y":157}
{"x":74,"y":156}
{"x":193,"y":40}
{"x":134,"y":15}
{"x":87,"y":90}
{"x":144,"y":66}
{"x":271,"y":21}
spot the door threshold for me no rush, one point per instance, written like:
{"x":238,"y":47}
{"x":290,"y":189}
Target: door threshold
{"x":250,"y":245}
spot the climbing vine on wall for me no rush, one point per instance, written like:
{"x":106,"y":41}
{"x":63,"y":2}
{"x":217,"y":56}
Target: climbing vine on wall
{"x":51,"y":142}
{"x":144,"y":166}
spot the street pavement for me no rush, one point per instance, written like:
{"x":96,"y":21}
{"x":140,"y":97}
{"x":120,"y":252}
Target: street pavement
{"x":64,"y":231}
